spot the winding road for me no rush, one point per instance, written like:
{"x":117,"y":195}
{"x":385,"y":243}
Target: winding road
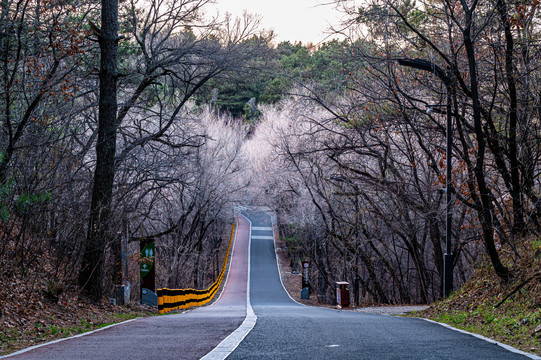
{"x":255,"y":318}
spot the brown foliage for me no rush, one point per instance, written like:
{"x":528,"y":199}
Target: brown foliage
{"x":35,"y":309}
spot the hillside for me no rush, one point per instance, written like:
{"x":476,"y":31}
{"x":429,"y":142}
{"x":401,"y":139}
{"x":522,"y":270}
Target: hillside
{"x":509,"y":313}
{"x":33,"y":311}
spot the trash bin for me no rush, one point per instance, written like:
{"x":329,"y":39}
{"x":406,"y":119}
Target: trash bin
{"x":342,"y":293}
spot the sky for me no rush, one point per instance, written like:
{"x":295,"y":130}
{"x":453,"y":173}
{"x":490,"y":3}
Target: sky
{"x":292,"y":20}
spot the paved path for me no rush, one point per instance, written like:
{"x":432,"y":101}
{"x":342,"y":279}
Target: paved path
{"x":288,"y":330}
{"x":284,"y":328}
{"x":178,"y":336}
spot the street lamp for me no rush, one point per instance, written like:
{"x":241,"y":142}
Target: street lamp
{"x":341,"y":178}
{"x":446,"y":78}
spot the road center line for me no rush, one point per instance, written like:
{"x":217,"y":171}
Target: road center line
{"x":230,"y":343}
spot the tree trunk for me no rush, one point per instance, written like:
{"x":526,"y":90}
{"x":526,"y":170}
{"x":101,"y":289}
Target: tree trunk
{"x":92,"y":270}
{"x":516,"y":190}
{"x":485,"y":211}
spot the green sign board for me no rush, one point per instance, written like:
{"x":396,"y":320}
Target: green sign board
{"x":147,"y":254}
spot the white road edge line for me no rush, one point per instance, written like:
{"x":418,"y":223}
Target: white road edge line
{"x":506,"y":347}
{"x":120,"y":323}
{"x":230,"y":343}
{"x":279,"y":271}
{"x":107,"y":327}
{"x":63,"y":339}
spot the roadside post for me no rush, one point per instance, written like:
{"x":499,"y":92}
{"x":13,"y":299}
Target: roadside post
{"x":305,"y":288}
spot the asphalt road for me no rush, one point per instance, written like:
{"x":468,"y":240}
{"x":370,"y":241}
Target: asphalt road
{"x":283,"y":329}
{"x":178,"y":336}
{"x":287,"y":330}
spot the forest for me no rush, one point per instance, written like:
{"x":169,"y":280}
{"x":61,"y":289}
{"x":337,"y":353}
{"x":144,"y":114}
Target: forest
{"x":125,"y":121}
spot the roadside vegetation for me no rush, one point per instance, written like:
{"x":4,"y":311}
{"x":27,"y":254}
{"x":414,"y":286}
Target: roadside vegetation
{"x":52,"y":323}
{"x":35,"y":310}
{"x":357,"y":173}
{"x":506,"y":312}
{"x":30,"y":317}
{"x":189,"y":115}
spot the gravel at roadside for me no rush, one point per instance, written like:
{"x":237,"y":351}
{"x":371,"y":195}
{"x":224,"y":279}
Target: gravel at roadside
{"x":391,"y":310}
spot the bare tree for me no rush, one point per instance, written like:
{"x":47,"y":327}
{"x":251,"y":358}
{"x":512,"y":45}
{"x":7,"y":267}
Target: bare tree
{"x":477,"y":47}
{"x":91,"y":274}
{"x":176,"y":51}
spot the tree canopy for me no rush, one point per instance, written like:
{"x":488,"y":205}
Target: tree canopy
{"x":126,"y":122}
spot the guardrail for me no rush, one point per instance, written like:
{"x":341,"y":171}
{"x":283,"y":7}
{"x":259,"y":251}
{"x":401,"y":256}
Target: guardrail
{"x":173,"y":299}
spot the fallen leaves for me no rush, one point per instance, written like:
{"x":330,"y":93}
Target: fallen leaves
{"x":29,"y":317}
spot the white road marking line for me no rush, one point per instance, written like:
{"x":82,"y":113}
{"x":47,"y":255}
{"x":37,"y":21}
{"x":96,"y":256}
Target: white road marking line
{"x":263,"y":237}
{"x":64,"y":339}
{"x":262,"y":228}
{"x":507,"y":347}
{"x":230,"y":343}
{"x":280,"y":274}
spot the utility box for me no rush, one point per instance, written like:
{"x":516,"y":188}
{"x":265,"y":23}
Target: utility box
{"x":342,"y":293}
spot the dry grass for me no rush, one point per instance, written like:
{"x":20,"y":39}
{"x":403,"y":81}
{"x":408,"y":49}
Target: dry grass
{"x":34,"y":310}
{"x":508,"y":312}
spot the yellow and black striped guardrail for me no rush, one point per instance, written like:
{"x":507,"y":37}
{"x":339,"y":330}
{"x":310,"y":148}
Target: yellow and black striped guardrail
{"x":173,"y":299}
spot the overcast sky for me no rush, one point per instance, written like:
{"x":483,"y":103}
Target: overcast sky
{"x":293,"y":20}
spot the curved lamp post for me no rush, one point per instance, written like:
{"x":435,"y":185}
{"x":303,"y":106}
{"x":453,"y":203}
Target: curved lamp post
{"x":446,"y":78}
{"x":341,"y":178}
